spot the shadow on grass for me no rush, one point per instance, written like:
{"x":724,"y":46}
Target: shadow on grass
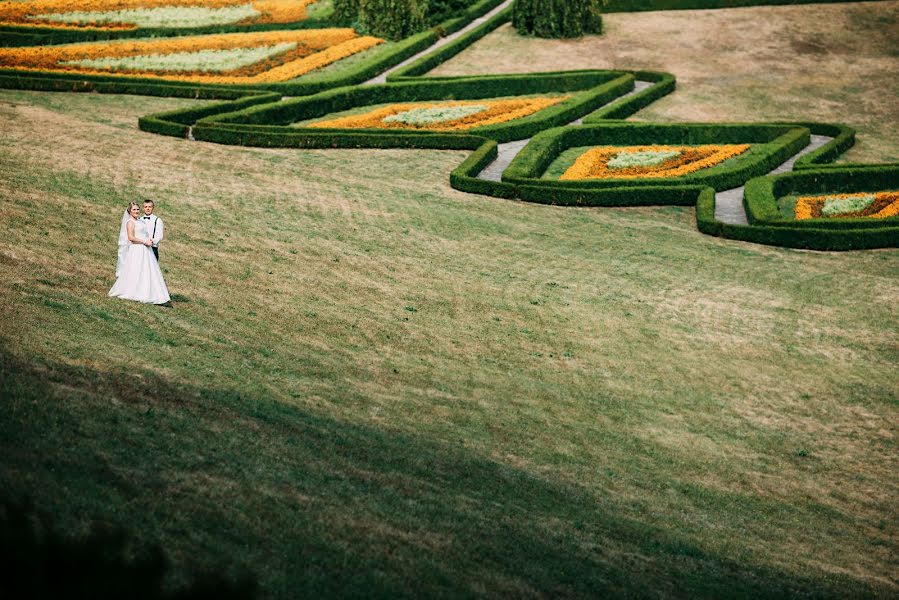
{"x":315,"y":506}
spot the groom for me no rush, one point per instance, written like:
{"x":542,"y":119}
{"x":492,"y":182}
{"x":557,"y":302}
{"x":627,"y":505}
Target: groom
{"x":154,"y":226}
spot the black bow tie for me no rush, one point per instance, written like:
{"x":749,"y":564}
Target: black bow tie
{"x":147,"y":218}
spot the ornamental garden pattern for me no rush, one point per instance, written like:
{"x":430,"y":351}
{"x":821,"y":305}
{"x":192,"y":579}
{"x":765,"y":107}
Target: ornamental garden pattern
{"x":249,"y":55}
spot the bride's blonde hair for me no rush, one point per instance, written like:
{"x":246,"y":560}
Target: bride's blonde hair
{"x":132,"y":205}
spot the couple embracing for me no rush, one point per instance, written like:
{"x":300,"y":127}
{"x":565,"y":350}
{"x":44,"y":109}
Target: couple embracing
{"x":138,"y":276}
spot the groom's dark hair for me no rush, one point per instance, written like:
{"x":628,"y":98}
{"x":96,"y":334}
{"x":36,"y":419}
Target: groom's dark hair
{"x":148,"y":201}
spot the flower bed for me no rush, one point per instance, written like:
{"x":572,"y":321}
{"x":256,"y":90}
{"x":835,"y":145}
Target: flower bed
{"x":131,"y":14}
{"x":876,"y":205}
{"x":443,"y":116}
{"x":641,"y":162}
{"x":259,"y":57}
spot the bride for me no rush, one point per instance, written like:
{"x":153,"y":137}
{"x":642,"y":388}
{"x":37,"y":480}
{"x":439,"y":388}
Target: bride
{"x":138,"y":276}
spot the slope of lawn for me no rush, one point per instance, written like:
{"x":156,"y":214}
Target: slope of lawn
{"x":372,"y":384}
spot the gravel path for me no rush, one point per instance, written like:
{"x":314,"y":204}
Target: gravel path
{"x":382,"y":78}
{"x":729,"y":203}
{"x":508,"y":151}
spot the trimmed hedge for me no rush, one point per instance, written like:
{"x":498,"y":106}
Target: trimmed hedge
{"x":444,"y":53}
{"x":843,"y":139}
{"x":662,"y":85}
{"x":784,"y":142}
{"x":761,"y":194}
{"x":596,"y":88}
{"x":178,"y":123}
{"x":282,"y":137}
{"x":791,"y":237}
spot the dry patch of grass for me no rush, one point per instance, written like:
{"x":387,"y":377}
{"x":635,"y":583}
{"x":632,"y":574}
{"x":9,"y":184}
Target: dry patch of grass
{"x":827,"y":62}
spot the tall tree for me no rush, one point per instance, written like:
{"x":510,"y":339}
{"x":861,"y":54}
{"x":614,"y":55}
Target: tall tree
{"x":557,"y":18}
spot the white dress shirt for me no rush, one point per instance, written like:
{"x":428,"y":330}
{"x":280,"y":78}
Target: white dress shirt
{"x":155,"y":222}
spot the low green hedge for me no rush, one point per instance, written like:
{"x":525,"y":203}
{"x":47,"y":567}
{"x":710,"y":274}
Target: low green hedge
{"x":474,"y":11}
{"x":604,"y":86}
{"x":265,"y":136}
{"x":761,"y":194}
{"x":444,"y":53}
{"x":791,"y":237}
{"x":783,"y":141}
{"x":662,"y":85}
{"x":178,"y":123}
{"x":843,"y":139}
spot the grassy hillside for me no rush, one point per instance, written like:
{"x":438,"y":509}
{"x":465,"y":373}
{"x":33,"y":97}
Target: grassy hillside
{"x":372,"y":384}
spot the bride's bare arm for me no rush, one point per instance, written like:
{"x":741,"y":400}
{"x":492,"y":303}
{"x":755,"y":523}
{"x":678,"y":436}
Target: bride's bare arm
{"x":129,"y":229}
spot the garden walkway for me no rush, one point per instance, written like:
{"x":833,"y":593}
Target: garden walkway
{"x":382,"y":78}
{"x":729,"y":203}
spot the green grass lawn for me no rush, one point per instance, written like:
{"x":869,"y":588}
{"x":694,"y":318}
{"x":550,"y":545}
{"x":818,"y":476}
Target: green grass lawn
{"x":372,"y":384}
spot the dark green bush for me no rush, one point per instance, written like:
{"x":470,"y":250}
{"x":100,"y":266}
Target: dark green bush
{"x":557,"y":18}
{"x":392,"y":19}
{"x":346,"y":12}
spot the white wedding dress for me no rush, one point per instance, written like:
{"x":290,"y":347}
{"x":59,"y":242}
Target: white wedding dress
{"x":138,"y":274}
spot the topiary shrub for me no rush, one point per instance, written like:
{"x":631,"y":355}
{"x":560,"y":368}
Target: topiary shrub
{"x":392,"y":19}
{"x":557,"y":18}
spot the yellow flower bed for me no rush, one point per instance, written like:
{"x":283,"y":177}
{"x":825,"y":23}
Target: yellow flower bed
{"x":314,"y":48}
{"x":497,"y":111}
{"x":885,"y":204}
{"x":29,"y":13}
{"x":594,"y":163}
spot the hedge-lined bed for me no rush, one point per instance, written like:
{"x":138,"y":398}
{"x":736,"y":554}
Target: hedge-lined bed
{"x":373,"y":62}
{"x":587,"y":90}
{"x":761,"y":195}
{"x":770,"y":145}
{"x":39,"y":34}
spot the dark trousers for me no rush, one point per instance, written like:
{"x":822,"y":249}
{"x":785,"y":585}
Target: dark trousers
{"x":155,"y":252}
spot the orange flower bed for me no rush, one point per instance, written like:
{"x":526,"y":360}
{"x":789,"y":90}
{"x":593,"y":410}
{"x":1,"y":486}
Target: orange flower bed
{"x":29,"y":13}
{"x":314,"y":48}
{"x":497,"y":111}
{"x":883,"y":205}
{"x":594,"y":163}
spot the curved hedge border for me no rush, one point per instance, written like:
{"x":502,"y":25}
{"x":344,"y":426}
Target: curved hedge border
{"x":595,"y":88}
{"x":256,"y":116}
{"x":760,"y":198}
{"x":782,"y":142}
